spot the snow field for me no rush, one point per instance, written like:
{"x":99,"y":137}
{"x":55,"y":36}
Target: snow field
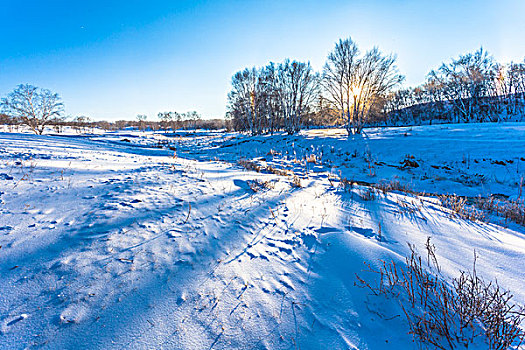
{"x":114,"y":244}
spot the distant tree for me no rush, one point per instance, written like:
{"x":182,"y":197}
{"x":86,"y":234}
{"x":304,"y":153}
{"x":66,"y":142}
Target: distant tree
{"x":141,"y":118}
{"x":80,"y":123}
{"x":166,"y":119}
{"x":6,"y":120}
{"x":191,"y":119}
{"x":9,"y":121}
{"x":33,"y":106}
{"x":466,"y":81}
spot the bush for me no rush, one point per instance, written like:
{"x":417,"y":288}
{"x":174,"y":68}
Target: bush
{"x":467,"y":312}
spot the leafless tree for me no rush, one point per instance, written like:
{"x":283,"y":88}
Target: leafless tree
{"x":466,"y":82}
{"x":376,"y":76}
{"x":357,"y":85}
{"x":141,"y":118}
{"x":339,"y":77}
{"x":80,"y":123}
{"x":276,"y":97}
{"x":297,"y":88}
{"x":166,"y":119}
{"x":190,"y":119}
{"x":35,"y":107}
{"x":243,"y":101}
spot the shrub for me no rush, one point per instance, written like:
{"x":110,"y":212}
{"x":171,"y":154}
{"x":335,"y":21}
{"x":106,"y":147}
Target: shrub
{"x":296,"y":181}
{"x":467,"y":312}
{"x":257,"y":185}
{"x":459,"y":207}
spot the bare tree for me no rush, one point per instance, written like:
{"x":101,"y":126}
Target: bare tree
{"x":375,"y":77}
{"x":270,"y":104}
{"x":166,"y":119}
{"x":80,"y":123}
{"x":339,"y":75}
{"x":243,"y":101}
{"x":35,"y":107}
{"x":278,"y":96}
{"x":466,"y":82}
{"x":357,"y":86}
{"x":297,"y":88}
{"x":141,"y":118}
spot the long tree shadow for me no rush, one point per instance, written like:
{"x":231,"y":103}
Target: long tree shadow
{"x":212,"y":251}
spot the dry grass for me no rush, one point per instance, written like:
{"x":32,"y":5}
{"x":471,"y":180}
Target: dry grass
{"x":459,"y":207}
{"x":478,"y":208}
{"x":252,"y":166}
{"x":296,"y":182}
{"x":346,"y":184}
{"x":368,"y":194}
{"x":468,"y":312}
{"x":249,"y":165}
{"x":474,"y":209}
{"x":392,"y":185}
{"x":258,"y":185}
{"x":277,"y":171}
{"x":312,"y":158}
{"x":513,"y":210}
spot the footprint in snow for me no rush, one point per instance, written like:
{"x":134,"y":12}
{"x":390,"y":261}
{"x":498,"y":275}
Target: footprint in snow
{"x":74,"y":313}
{"x":366,"y":232}
{"x":5,"y":326}
{"x":4,"y":176}
{"x":17,"y":319}
{"x":326,"y":229}
{"x":242,"y":184}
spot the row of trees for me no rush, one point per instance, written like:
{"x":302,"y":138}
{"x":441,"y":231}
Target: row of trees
{"x":290,"y":95}
{"x":354,"y":90}
{"x":40,"y":108}
{"x":175,"y":120}
{"x":473,"y":87}
{"x":278,"y":96}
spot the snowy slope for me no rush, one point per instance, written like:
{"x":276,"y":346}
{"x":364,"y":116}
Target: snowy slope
{"x":110,"y":244}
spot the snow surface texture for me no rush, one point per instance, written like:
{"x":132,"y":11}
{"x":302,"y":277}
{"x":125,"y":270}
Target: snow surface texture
{"x":109,"y":243}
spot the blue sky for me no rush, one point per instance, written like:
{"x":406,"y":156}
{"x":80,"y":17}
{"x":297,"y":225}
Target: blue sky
{"x":116,"y":59}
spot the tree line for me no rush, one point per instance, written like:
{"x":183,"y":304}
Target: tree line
{"x":39,"y":108}
{"x":471,"y":88}
{"x":357,"y":89}
{"x":353,"y":90}
{"x":290,"y":95}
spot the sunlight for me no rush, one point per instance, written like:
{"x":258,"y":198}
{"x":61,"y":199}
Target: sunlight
{"x":356,"y":90}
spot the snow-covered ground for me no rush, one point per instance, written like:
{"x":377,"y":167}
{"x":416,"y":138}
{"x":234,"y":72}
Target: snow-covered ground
{"x":466,"y":159}
{"x":109,"y":242}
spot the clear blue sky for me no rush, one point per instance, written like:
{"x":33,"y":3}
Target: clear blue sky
{"x":116,"y":59}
